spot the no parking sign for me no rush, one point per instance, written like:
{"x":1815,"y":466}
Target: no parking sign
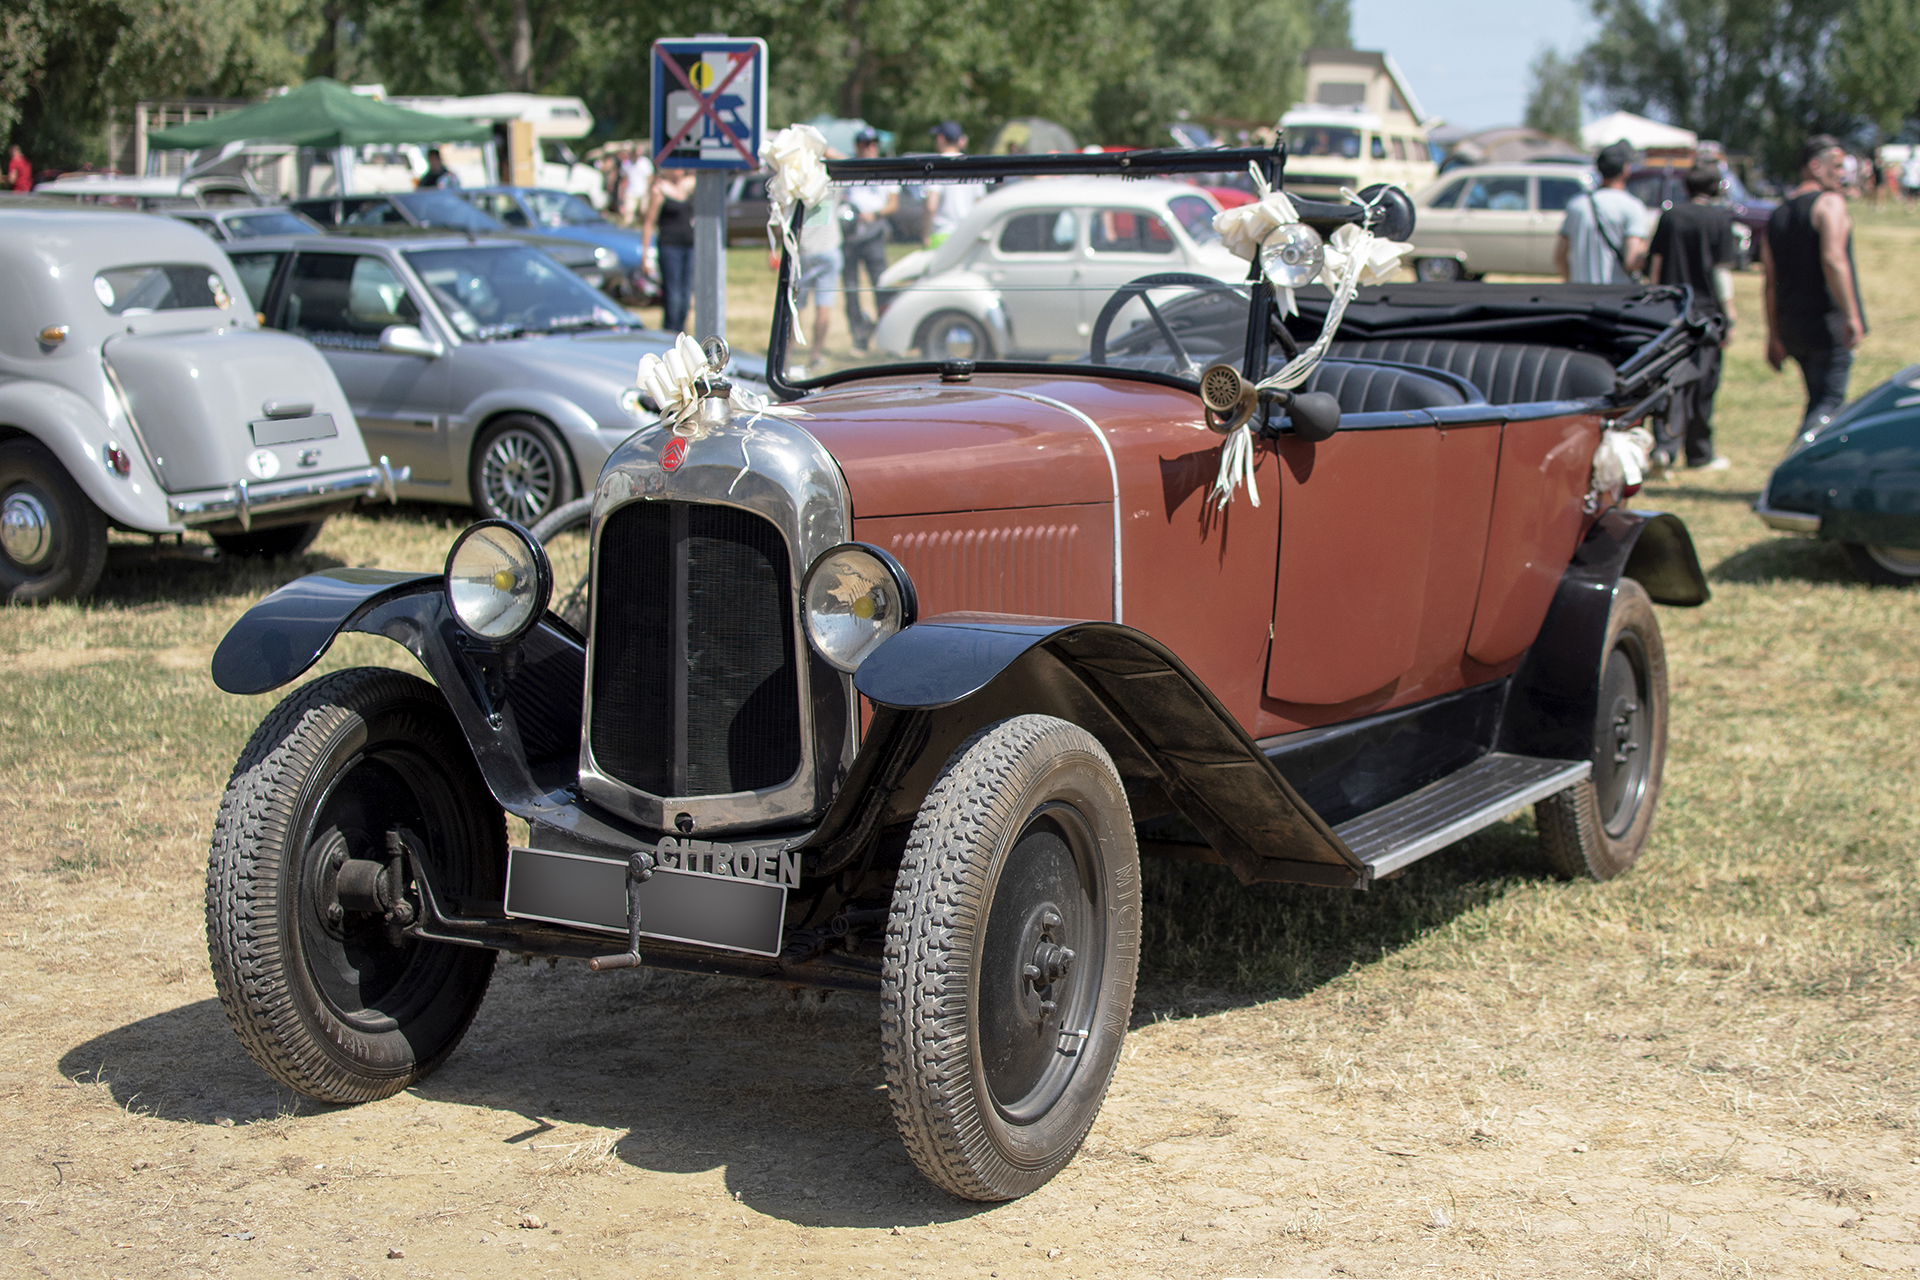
{"x":709,"y":102}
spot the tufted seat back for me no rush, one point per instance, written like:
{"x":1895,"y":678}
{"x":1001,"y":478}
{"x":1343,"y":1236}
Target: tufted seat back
{"x":1381,"y":388}
{"x":1506,"y":372}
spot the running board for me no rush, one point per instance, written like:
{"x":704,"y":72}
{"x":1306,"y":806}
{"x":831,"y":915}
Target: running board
{"x":1394,"y":835}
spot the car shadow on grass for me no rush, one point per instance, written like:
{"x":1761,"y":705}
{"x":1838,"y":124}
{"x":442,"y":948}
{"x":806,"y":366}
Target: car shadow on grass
{"x":193,"y":573}
{"x":1651,"y":497}
{"x":783,"y":1093}
{"x":1787,"y":559}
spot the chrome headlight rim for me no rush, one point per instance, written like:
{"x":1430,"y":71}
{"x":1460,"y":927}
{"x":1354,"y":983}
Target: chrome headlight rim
{"x":903,"y":587}
{"x":543,"y":582}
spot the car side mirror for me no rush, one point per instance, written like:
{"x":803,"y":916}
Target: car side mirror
{"x":407,"y":340}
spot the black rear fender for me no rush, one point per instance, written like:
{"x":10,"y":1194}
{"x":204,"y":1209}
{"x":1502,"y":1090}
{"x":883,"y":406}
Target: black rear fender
{"x":939,"y":681}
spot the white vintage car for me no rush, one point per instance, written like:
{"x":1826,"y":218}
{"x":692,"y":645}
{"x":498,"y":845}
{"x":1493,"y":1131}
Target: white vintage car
{"x":1026,"y":274}
{"x":138,"y":391}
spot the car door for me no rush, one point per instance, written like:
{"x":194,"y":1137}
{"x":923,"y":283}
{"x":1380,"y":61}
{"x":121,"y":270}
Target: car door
{"x":1496,"y":222}
{"x":1034,"y":263}
{"x":1440,"y":220}
{"x":1551,"y":196}
{"x":341,"y":302}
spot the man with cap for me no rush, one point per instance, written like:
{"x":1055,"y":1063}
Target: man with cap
{"x":1603,"y":238}
{"x":866,"y":218}
{"x":1813,"y":293}
{"x":948,"y":204}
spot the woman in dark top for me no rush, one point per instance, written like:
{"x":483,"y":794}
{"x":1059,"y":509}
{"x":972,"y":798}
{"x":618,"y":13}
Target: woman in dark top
{"x":668,"y":224}
{"x":1813,"y":294}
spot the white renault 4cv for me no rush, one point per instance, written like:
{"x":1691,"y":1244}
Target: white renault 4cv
{"x":138,"y":391}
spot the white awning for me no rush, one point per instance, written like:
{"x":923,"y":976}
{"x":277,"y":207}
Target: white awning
{"x":1638,"y":131}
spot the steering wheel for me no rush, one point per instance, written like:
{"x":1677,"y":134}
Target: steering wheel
{"x":1097,"y":343}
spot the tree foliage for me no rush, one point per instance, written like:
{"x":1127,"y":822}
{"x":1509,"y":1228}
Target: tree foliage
{"x":1113,"y":71}
{"x":1553,"y":100}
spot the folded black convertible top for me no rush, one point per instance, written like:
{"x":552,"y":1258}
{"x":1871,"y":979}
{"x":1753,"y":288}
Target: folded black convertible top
{"x":1611,"y":320}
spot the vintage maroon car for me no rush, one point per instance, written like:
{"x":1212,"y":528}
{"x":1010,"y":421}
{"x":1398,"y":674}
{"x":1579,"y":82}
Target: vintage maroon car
{"x":889,"y":688}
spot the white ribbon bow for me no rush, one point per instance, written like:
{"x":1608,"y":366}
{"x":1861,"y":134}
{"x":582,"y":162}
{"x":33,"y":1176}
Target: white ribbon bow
{"x":1621,"y":458}
{"x":679,"y":380}
{"x":796,"y":157}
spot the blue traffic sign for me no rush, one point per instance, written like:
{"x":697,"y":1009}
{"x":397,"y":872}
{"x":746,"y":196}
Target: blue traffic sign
{"x":709,"y":102}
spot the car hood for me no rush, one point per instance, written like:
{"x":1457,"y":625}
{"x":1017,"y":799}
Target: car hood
{"x":614,"y":357}
{"x":917,"y":449}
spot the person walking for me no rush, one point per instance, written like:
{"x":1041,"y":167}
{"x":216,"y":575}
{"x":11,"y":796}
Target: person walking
{"x":948,"y":203}
{"x":19,"y":172}
{"x":668,"y":226}
{"x":1813,"y":295}
{"x":1693,"y":246}
{"x":1603,"y":236}
{"x":817,"y":274}
{"x":867,"y":218}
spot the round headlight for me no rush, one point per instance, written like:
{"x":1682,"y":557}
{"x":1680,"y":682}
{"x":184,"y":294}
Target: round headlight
{"x":1293,"y":255}
{"x":856,"y":596}
{"x":498,"y":580}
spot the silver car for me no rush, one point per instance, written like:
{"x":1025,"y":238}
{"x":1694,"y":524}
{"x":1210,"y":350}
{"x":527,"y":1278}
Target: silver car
{"x":493,"y":373}
{"x":1495,"y":217}
{"x":138,"y":391}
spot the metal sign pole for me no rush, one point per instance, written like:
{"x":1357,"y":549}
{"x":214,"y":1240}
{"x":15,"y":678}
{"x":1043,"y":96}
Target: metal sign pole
{"x":710,"y":253}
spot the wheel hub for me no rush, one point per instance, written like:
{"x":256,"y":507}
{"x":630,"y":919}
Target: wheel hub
{"x":1624,"y":744}
{"x":1049,"y":964}
{"x":26,"y":530}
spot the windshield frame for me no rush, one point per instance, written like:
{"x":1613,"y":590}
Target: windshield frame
{"x":1322,"y":216}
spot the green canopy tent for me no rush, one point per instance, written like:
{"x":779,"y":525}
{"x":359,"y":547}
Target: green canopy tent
{"x":323,"y":114}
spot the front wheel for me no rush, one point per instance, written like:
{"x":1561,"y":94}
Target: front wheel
{"x":1884,"y":566}
{"x":1437,"y":270}
{"x":954,"y":335}
{"x":311,"y":883}
{"x":1597,"y":828}
{"x":519,"y":470}
{"x":1012,"y":945}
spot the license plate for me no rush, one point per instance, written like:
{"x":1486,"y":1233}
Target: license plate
{"x":271,"y":431}
{"x":725,"y":911}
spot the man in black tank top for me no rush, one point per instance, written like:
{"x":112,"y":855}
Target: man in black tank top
{"x":1813,"y":295}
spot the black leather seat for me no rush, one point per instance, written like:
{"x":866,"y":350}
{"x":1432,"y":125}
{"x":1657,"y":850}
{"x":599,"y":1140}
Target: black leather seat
{"x":1381,"y":388}
{"x":1505,"y":372}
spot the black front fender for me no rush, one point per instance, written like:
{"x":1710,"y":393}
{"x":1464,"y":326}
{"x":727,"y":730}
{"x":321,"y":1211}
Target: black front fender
{"x":281,"y":637}
{"x":944,"y":678}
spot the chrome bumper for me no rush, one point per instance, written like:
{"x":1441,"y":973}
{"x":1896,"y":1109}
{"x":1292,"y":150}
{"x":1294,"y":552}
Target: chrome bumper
{"x":244,"y":501}
{"x":1786,"y":521}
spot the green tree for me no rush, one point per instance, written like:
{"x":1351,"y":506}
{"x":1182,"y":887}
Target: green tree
{"x":1875,"y":62}
{"x":1553,"y":102}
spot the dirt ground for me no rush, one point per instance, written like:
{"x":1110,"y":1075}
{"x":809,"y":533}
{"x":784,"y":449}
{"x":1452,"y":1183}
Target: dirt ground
{"x":1705,"y":1068}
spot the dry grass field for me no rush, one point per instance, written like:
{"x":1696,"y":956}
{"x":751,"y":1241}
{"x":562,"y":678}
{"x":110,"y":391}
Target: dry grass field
{"x":1705,"y":1068}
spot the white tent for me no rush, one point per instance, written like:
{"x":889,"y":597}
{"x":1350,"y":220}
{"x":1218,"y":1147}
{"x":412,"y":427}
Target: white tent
{"x":1641,"y":133}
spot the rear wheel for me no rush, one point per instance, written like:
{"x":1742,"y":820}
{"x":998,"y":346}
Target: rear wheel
{"x":284,"y":540}
{"x":1884,"y":566}
{"x":1011,"y":949}
{"x":519,"y":470}
{"x":1438,"y":269}
{"x":1597,"y":828}
{"x":311,"y":883}
{"x":954,"y":335}
{"x":53,"y":541}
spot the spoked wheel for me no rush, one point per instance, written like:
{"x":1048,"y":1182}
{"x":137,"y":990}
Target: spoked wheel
{"x":1598,"y":827}
{"x":312,"y":882}
{"x":519,"y":470}
{"x":1012,"y":944}
{"x":565,"y":534}
{"x":1885,"y":566}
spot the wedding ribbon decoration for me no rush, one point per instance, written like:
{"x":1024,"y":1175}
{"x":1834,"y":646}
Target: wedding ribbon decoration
{"x":681,"y":378}
{"x":1352,"y":257}
{"x":1621,"y":459}
{"x":796,"y":158}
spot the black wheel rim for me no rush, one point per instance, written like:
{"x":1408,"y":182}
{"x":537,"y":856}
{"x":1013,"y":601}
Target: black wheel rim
{"x":369,"y":974}
{"x":519,"y":476}
{"x":1623,"y":735}
{"x":1035,"y":1002}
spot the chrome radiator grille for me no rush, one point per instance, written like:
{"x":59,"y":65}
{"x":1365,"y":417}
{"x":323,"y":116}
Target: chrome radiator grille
{"x":694,"y":688}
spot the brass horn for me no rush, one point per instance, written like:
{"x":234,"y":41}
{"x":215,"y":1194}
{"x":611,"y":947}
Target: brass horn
{"x":1229,"y":398}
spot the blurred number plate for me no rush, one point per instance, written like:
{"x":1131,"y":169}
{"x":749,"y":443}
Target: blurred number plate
{"x":315,"y":426}
{"x":724,"y":911}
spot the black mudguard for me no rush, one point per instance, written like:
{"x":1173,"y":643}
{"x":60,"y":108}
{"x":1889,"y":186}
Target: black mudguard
{"x":519,"y":707}
{"x":940,"y":680}
{"x":1553,"y":700}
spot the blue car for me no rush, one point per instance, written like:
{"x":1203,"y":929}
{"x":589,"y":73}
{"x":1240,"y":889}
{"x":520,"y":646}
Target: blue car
{"x":561,"y":213}
{"x":1856,"y":481}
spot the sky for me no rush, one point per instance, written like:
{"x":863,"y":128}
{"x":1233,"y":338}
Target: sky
{"x":1468,"y":61}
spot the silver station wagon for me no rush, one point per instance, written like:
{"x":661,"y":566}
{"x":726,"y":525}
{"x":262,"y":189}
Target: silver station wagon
{"x":138,"y":391}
